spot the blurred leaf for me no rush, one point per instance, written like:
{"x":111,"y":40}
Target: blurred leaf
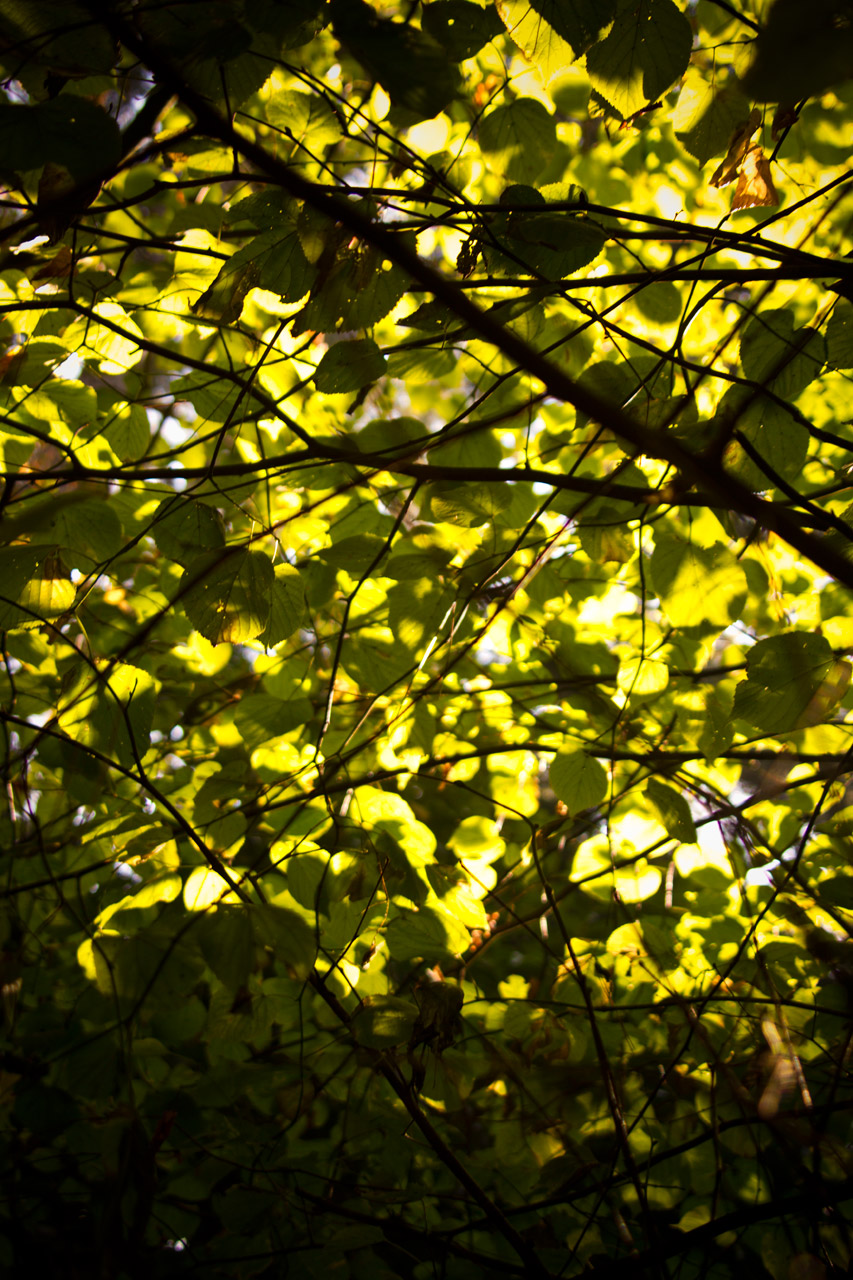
{"x":578,"y":780}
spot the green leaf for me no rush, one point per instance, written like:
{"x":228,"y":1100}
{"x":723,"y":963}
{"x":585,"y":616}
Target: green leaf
{"x":274,"y":260}
{"x":431,"y":934}
{"x":289,"y":938}
{"x":578,"y":780}
{"x":109,"y":706}
{"x":519,"y":139}
{"x":412,"y":67}
{"x":287,"y":606}
{"x":64,"y":37}
{"x":697,"y":585}
{"x":672,"y":809}
{"x":349,"y":366}
{"x":839,"y":335}
{"x":771,"y":433}
{"x":226,"y":594}
{"x":779,"y":357}
{"x":783,"y":675}
{"x":183,"y":527}
{"x":461,"y":27}
{"x":108,"y":337}
{"x":67,"y":130}
{"x":307,"y":118}
{"x":385,"y":1022}
{"x":87,"y":533}
{"x":646,"y":50}
{"x":467,"y":505}
{"x":34,"y":587}
{"x":228,"y":945}
{"x":800,"y":51}
{"x":260,"y":717}
{"x":707,"y":114}
{"x":642,"y":676}
{"x":551,"y":245}
{"x":358,"y":291}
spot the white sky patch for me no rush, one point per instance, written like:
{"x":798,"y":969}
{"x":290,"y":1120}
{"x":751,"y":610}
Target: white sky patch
{"x":70,"y":368}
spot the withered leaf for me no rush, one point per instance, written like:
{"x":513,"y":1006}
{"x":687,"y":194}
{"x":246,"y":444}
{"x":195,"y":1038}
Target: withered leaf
{"x":728,"y":171}
{"x":755,"y":182}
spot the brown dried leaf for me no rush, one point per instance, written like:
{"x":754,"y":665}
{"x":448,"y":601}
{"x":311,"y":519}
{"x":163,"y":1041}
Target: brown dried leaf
{"x":738,"y":147}
{"x":755,"y":182}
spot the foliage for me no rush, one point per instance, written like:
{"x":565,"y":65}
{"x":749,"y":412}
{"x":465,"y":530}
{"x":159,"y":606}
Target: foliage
{"x":425,"y":569}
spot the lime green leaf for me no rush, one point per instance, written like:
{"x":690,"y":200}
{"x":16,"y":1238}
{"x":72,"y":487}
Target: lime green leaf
{"x":642,"y":676}
{"x":697,"y":584}
{"x":44,"y":598}
{"x":114,"y":345}
{"x":477,"y":838}
{"x":307,"y":118}
{"x":578,"y":780}
{"x":349,"y":366}
{"x":34,"y":587}
{"x":206,"y":888}
{"x":553,"y":33}
{"x":431,"y":933}
{"x":646,"y":50}
{"x":226,"y":594}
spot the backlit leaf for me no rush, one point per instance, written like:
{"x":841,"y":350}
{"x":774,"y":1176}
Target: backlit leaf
{"x":578,"y":780}
{"x":646,"y":50}
{"x":227,"y":594}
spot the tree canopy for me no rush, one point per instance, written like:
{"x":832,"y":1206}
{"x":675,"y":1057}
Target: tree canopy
{"x":425,"y":584}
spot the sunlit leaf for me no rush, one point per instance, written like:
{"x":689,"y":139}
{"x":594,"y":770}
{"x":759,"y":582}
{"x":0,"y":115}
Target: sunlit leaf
{"x":697,"y":584}
{"x":642,"y":55}
{"x":518,"y":140}
{"x":553,"y":33}
{"x":578,"y":780}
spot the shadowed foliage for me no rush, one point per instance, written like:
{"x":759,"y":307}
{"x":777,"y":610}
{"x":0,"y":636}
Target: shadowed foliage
{"x":426,"y":553}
